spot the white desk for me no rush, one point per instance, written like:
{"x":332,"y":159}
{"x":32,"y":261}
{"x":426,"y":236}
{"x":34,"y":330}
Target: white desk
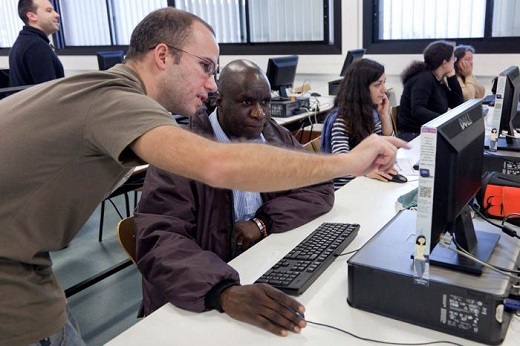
{"x":326,"y":103}
{"x":366,"y":201}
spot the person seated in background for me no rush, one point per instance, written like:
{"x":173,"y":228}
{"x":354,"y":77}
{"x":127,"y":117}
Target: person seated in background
{"x":470,"y":85}
{"x":32,"y":59}
{"x":186,"y":230}
{"x":361,"y":108}
{"x":430,"y":89}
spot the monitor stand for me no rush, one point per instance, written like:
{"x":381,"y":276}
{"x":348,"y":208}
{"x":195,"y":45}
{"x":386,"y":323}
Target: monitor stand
{"x":446,"y":258}
{"x":477,"y":243}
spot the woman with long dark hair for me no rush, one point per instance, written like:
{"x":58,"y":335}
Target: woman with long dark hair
{"x":361,"y":108}
{"x":430,"y":89}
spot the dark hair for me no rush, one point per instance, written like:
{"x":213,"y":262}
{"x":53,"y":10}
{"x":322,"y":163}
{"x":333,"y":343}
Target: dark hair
{"x":420,"y":237}
{"x":353,"y":98}
{"x":434,"y":55}
{"x":167,"y":25}
{"x":460,"y":52}
{"x":25,"y":6}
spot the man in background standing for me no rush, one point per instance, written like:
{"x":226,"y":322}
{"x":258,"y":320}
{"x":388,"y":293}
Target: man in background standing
{"x":32,"y":59}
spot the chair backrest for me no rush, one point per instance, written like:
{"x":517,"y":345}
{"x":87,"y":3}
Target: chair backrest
{"x":314,"y":145}
{"x":326,"y":132}
{"x":126,"y":236}
{"x":394,"y":111}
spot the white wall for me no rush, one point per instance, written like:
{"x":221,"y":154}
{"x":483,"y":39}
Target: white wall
{"x":319,"y":69}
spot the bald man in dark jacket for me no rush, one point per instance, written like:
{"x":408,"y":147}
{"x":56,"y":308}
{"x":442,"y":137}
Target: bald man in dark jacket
{"x":187,"y":231}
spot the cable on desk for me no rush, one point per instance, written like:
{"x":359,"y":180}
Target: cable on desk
{"x":380,"y":341}
{"x":504,"y":228}
{"x":347,"y":253}
{"x":446,"y":242}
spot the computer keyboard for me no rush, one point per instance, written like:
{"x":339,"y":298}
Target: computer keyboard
{"x":298,"y":269}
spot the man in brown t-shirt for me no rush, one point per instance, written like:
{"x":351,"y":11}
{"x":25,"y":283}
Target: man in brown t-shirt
{"x":64,"y":144}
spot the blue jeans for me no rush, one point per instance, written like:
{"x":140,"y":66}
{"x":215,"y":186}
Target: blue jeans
{"x":68,"y":335}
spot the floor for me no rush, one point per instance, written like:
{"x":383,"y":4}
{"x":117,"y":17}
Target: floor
{"x":109,"y":307}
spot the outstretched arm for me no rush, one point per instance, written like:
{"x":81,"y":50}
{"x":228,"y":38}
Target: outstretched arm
{"x":257,"y":167}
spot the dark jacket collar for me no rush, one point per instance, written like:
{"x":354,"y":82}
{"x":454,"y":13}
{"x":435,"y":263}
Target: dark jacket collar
{"x":29,"y":30}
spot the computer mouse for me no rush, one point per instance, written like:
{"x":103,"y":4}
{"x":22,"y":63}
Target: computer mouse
{"x":398,"y":178}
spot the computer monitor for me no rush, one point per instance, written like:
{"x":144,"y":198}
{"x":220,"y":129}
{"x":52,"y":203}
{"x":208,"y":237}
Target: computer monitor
{"x":506,"y":108}
{"x":281,"y":73}
{"x":451,"y":164}
{"x":352,"y":55}
{"x":107,"y":59}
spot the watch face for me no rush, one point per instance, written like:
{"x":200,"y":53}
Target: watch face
{"x":424,"y":172}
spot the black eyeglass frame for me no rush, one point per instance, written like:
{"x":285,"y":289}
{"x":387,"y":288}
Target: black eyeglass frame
{"x":209,"y":66}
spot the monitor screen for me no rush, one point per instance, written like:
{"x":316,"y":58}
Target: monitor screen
{"x":451,"y":164}
{"x":281,"y":72}
{"x":107,"y":59}
{"x":352,"y":55}
{"x":506,"y":108}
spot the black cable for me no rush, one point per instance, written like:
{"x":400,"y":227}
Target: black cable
{"x":347,"y":253}
{"x":504,"y":228}
{"x":508,"y":230}
{"x":382,"y":342}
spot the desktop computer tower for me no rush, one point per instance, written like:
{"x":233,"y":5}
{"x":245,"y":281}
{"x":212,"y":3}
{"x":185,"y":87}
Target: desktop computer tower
{"x":286,"y":107}
{"x":380,"y":280}
{"x":507,"y":162}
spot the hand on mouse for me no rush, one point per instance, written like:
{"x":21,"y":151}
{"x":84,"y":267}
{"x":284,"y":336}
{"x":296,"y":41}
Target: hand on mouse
{"x":382,"y":176}
{"x":265,"y":307}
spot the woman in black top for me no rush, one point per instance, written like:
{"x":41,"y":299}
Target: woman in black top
{"x":430,"y":88}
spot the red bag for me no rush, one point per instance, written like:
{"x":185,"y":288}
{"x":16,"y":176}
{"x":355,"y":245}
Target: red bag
{"x":500,"y":194}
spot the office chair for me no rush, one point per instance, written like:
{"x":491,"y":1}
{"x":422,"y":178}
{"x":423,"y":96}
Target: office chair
{"x":126,"y":235}
{"x":314,"y":145}
{"x":393,"y":115}
{"x":326,"y":133}
{"x":133,"y":184}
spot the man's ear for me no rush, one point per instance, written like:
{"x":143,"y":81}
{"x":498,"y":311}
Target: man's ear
{"x":218,"y":101}
{"x":31,"y":17}
{"x":160,"y":52}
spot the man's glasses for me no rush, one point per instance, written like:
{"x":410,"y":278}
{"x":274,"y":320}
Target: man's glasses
{"x":209,"y":67}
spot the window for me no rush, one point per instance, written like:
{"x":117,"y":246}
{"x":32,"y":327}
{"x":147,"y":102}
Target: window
{"x":241,"y":26}
{"x":10,"y":23}
{"x":402,"y":26}
{"x":102,"y":22}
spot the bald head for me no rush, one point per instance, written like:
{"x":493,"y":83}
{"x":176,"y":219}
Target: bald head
{"x":243,"y":100}
{"x":240,"y":74}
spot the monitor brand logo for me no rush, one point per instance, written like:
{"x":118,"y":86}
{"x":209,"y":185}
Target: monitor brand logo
{"x":465,"y":121}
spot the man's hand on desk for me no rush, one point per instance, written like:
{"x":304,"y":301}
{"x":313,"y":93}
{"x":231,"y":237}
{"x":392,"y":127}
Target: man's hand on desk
{"x":382,"y":176}
{"x":265,"y":307}
{"x":374,"y":152}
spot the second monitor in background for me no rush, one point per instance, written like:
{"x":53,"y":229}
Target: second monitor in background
{"x":352,"y":55}
{"x":506,"y":108}
{"x":281,"y":72}
{"x":107,"y":59}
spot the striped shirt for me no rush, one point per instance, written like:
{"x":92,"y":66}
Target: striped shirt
{"x":245,"y":203}
{"x":340,"y":142}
